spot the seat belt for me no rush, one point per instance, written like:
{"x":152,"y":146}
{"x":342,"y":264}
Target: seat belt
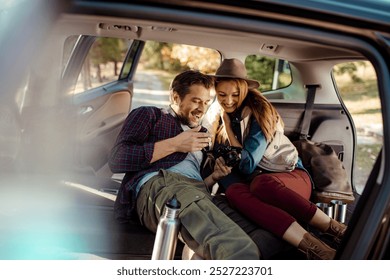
{"x":305,"y":125}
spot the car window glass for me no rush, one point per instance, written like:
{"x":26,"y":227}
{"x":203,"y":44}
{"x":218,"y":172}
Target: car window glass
{"x":103,"y":63}
{"x":357,"y":85}
{"x":128,"y":64}
{"x":272,"y":73}
{"x":161,"y":62}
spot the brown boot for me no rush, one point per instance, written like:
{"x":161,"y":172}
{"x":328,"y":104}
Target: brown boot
{"x":315,"y":249}
{"x":337,"y":230}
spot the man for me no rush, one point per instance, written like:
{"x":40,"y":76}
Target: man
{"x":161,"y":153}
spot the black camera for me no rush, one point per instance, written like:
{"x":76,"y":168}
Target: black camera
{"x":206,"y":149}
{"x":202,"y":129}
{"x":231,"y":155}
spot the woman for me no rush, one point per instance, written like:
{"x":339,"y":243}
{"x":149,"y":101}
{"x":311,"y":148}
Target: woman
{"x":275,"y":201}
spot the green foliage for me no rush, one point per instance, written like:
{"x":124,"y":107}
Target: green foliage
{"x":350,"y":68}
{"x":357,"y":84}
{"x":167,"y":57}
{"x":175,"y":58}
{"x":107,"y":50}
{"x":261,"y":68}
{"x":158,"y":56}
{"x":366,"y":155}
{"x":354,"y":92}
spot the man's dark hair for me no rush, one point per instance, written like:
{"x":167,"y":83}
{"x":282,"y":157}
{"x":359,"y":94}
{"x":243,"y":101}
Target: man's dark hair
{"x":182,"y":82}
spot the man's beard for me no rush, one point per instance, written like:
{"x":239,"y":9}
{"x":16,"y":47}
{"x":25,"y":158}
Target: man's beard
{"x":185,"y":121}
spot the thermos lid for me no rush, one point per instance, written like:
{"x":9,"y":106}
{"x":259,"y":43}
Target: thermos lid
{"x":173,"y":203}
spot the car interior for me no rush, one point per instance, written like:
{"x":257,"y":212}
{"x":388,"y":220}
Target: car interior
{"x":68,"y":133}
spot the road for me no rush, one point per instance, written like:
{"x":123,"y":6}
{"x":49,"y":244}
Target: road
{"x":148,"y":90}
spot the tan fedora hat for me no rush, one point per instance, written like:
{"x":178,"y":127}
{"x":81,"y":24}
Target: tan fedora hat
{"x":234,"y":68}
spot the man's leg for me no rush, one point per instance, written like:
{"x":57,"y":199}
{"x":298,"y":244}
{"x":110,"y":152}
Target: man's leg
{"x":205,"y":228}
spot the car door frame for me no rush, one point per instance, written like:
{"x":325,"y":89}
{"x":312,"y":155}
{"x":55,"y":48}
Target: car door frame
{"x":99,"y":112}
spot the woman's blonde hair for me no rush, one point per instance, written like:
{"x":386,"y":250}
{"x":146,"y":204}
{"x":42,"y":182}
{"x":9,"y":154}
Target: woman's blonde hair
{"x":263,"y":111}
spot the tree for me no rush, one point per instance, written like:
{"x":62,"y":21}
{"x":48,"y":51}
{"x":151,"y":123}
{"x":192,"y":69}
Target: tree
{"x":107,"y":50}
{"x":176,"y":57}
{"x":158,"y":56}
{"x":261,"y":68}
{"x":350,"y":69}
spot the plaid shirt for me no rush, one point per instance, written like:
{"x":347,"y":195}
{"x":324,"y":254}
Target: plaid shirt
{"x":134,"y":148}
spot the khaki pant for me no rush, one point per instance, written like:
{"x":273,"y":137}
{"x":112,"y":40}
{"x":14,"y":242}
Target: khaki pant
{"x":204,"y":227}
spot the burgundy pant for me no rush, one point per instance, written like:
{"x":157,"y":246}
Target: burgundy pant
{"x":274,"y":200}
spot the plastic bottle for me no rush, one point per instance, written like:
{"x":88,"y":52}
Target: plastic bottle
{"x":167,"y":231}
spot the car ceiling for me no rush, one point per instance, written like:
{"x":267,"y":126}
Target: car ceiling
{"x":230,"y":42}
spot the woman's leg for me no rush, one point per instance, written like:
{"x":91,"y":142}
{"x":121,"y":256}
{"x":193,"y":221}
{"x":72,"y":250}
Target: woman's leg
{"x":289,"y":191}
{"x":278,"y":222}
{"x":329,"y":226}
{"x":297,"y":180}
{"x":265,"y":215}
{"x":320,"y":220}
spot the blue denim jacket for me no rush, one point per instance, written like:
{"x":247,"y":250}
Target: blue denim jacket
{"x":254,"y":145}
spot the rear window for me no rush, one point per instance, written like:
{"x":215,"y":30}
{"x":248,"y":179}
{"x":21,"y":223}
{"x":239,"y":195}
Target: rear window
{"x":272,"y":73}
{"x":357,"y":84}
{"x":160,"y":62}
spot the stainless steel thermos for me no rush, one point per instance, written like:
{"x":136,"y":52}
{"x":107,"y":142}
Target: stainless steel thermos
{"x":167,"y":231}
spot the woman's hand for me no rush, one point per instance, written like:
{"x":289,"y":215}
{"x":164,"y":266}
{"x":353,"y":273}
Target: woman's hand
{"x":220,"y":169}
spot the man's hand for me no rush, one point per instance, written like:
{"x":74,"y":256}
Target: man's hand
{"x":191,"y":140}
{"x":188,"y":141}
